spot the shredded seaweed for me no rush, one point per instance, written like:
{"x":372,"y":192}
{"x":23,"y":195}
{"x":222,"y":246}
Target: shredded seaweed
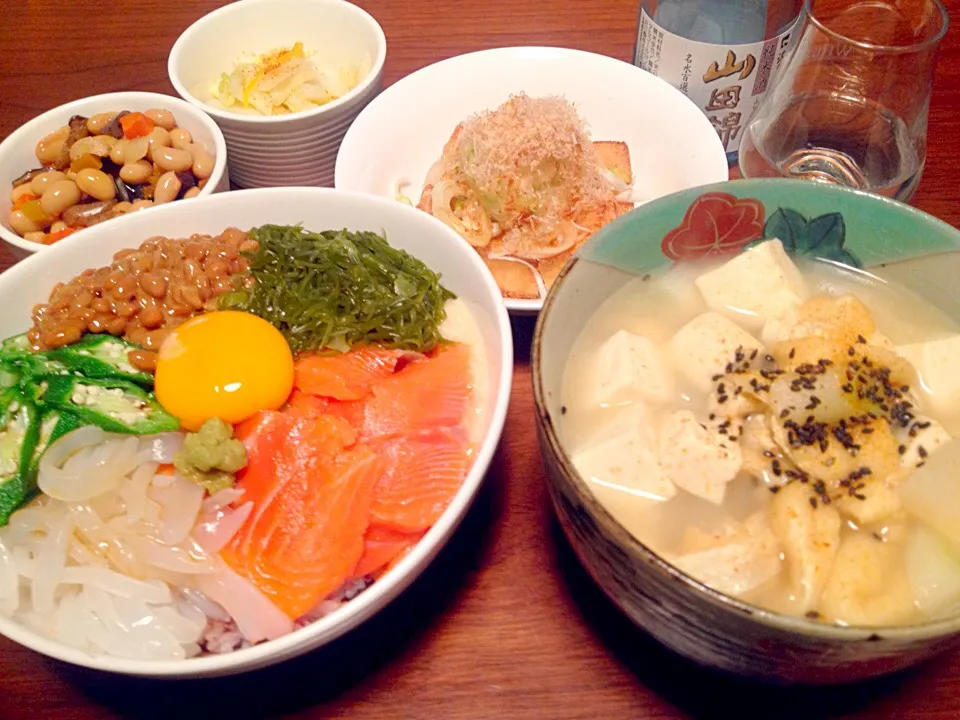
{"x":335,"y":289}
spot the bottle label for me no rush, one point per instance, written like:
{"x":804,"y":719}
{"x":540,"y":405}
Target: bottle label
{"x":727,"y":82}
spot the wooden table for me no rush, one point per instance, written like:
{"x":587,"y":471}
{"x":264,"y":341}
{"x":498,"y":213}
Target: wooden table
{"x":505,"y":624}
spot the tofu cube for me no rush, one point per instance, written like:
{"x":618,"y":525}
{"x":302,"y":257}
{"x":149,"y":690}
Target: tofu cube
{"x":629,"y":367}
{"x":757,"y":285}
{"x":697,"y":459}
{"x":935,"y":361}
{"x":621,"y":458}
{"x":733,"y":569}
{"x":704,"y":346}
{"x":923,"y":443}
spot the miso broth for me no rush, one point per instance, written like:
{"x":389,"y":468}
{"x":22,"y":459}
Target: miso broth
{"x":780,"y":430}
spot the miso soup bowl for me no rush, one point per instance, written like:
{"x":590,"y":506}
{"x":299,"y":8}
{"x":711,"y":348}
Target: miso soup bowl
{"x":710,"y":628}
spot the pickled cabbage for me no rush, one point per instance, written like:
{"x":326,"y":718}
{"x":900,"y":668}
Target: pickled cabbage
{"x":285,"y":81}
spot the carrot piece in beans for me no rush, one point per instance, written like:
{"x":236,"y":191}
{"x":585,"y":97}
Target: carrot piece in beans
{"x":51,"y":238}
{"x":136,"y":125}
{"x":23,"y":200}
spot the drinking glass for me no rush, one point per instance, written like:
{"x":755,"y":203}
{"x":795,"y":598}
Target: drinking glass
{"x":850,"y":107}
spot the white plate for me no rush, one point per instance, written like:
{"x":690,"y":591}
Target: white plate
{"x":401,"y":133}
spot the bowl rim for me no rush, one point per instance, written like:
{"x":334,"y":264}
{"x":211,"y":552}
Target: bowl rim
{"x":356,"y":93}
{"x":26,"y":130}
{"x":387,"y":588}
{"x":640,"y":552}
{"x":476,"y":59}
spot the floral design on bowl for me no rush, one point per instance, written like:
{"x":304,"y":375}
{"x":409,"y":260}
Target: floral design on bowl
{"x":718,"y":223}
{"x":715,"y":223}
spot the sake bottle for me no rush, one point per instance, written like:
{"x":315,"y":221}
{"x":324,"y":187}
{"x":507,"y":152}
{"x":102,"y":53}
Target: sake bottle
{"x":722,"y":54}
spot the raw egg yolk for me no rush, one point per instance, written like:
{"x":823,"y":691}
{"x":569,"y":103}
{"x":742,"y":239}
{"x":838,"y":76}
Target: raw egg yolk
{"x":227,"y":365}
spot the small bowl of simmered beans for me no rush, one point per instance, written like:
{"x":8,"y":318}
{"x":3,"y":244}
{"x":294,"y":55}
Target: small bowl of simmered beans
{"x":101,"y":157}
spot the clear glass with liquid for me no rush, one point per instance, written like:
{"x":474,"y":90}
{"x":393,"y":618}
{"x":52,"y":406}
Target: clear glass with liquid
{"x":851,"y":105}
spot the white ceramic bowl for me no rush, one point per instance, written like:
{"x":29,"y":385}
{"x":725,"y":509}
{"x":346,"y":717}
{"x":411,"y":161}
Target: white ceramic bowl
{"x":295,"y":149}
{"x":439,"y":247}
{"x":401,"y":133}
{"x":17,"y":150}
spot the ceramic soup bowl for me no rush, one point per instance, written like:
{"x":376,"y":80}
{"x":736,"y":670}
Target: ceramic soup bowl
{"x":713,"y":629}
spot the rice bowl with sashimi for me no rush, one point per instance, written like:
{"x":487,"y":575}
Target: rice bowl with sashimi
{"x":216,"y":443}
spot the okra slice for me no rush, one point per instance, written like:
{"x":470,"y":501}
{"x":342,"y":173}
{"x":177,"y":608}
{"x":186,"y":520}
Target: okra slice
{"x":18,"y":359}
{"x":9,"y":375}
{"x":114,"y":405}
{"x":16,"y":344}
{"x":19,"y":431}
{"x":102,"y":356}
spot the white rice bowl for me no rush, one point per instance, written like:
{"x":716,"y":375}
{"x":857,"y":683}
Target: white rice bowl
{"x":185,"y":613}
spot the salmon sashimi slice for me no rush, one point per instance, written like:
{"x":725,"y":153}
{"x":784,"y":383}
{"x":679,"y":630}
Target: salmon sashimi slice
{"x":349,"y":376}
{"x":311,"y":406}
{"x":381,"y":546}
{"x":432,"y":393}
{"x":312,"y":498}
{"x":424,"y":471}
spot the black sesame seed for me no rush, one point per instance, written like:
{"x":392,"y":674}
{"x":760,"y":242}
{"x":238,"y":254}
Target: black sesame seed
{"x":777,"y":469}
{"x":563,"y":410}
{"x":921,"y":451}
{"x":902,"y":449}
{"x":793,"y":352}
{"x":753,"y":355}
{"x":861,"y":339}
{"x":851,"y":352}
{"x":813,"y":502}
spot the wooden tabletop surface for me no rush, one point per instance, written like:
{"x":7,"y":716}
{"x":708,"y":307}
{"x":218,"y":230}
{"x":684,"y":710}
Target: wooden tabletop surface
{"x":504,"y":624}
